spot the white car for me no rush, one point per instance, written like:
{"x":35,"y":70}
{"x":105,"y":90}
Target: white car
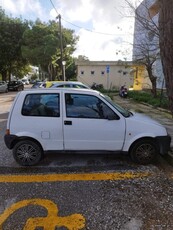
{"x":66,"y":119}
{"x":25,"y":81}
{"x":3,"y":87}
{"x":69,"y":84}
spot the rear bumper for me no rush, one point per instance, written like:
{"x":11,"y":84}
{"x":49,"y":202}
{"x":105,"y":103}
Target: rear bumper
{"x":164,"y":144}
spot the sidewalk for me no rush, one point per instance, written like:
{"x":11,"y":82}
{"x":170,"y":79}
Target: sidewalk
{"x":161,"y":115}
{"x":5,"y":102}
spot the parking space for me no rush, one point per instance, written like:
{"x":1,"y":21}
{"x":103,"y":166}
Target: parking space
{"x":121,"y":199}
{"x":82,"y":191}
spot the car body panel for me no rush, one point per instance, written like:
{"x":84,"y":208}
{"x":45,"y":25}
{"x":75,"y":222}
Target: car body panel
{"x":38,"y":85}
{"x":72,"y":130}
{"x":47,"y":131}
{"x":145,"y":127}
{"x":3,"y":87}
{"x":68,"y":84}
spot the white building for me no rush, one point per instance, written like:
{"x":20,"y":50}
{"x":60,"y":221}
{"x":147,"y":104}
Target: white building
{"x":146,"y":37}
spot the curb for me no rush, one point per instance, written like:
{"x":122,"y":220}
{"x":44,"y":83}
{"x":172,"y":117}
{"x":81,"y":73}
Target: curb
{"x":158,"y":108}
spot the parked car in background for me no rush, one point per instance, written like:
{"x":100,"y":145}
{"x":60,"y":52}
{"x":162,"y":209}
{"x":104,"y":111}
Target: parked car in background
{"x":32,"y":81}
{"x":69,"y":84}
{"x":3,"y":87}
{"x":25,"y":81}
{"x":15,"y":85}
{"x":38,"y":84}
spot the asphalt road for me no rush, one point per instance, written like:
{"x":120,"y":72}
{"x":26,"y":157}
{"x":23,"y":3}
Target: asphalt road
{"x":91,"y":192}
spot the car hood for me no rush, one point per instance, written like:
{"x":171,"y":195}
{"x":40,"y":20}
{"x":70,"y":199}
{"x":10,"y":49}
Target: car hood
{"x":143,"y":118}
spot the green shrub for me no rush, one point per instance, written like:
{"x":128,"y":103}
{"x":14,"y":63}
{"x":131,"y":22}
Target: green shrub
{"x":147,"y":97}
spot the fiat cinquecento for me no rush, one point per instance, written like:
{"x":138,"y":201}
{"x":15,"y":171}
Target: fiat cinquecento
{"x":84,"y":120}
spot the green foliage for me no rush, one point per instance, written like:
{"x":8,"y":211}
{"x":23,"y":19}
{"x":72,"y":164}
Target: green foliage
{"x":11,"y":33}
{"x":34,"y":77}
{"x":147,"y":97}
{"x":35,"y":43}
{"x":42,"y":47}
{"x":71,"y":70}
{"x":22,"y":71}
{"x":39,"y":45}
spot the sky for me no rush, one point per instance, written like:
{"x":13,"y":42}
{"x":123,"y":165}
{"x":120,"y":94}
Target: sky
{"x":105,"y":27}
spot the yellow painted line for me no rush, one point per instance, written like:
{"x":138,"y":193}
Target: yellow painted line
{"x":71,"y":177}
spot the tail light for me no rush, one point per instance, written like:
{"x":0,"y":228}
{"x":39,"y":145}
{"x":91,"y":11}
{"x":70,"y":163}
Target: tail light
{"x":7,"y":132}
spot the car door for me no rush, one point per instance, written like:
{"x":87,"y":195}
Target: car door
{"x":90,"y":124}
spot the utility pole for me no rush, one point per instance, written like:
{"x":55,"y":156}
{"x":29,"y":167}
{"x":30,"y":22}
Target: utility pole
{"x":61,"y":45}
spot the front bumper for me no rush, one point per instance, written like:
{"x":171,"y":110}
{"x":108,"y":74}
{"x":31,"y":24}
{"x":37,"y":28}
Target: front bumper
{"x":164,"y":144}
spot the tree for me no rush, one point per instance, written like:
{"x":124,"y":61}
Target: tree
{"x":148,"y":56}
{"x":11,"y":32}
{"x":26,"y":42}
{"x":146,"y":40}
{"x":166,"y":45}
{"x":42,"y":47}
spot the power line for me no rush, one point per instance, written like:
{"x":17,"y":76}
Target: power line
{"x":89,"y":30}
{"x":80,"y":27}
{"x":54,"y":7}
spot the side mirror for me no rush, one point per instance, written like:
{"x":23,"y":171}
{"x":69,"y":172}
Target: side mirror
{"x":113,"y":116}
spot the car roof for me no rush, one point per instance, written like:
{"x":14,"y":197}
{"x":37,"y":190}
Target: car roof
{"x":58,"y":90}
{"x":68,"y":83}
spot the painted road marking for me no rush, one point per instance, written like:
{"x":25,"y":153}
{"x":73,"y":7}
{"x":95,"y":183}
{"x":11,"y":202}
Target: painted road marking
{"x":71,"y":177}
{"x":50,"y":222}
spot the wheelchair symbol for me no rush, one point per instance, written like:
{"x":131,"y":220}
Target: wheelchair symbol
{"x":50,"y":222}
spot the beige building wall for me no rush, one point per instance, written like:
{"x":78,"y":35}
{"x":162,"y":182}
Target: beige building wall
{"x":111,"y":74}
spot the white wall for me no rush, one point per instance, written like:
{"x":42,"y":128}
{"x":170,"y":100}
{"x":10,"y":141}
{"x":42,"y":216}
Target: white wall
{"x":142,"y":36}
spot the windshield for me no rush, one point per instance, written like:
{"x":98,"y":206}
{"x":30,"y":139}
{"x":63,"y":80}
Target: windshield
{"x":123,"y":111}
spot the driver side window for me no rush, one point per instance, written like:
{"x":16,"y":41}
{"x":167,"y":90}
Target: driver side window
{"x":87,"y":106}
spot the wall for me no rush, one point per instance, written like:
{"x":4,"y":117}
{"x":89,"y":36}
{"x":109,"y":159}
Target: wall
{"x":111,"y":74}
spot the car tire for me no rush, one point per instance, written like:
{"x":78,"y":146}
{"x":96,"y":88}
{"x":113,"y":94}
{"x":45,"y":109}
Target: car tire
{"x":27,"y":153}
{"x":144,"y":152}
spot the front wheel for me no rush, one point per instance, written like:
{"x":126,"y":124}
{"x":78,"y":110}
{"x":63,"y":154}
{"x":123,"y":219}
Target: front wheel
{"x":144,"y":152}
{"x":27,"y":153}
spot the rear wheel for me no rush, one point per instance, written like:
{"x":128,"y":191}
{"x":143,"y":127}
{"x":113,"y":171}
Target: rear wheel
{"x":144,"y":152}
{"x":27,"y":153}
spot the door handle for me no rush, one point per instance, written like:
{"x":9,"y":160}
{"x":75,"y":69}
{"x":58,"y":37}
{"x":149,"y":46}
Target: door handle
{"x":67,"y":122}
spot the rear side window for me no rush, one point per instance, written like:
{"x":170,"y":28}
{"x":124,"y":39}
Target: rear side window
{"x":42,"y":105}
